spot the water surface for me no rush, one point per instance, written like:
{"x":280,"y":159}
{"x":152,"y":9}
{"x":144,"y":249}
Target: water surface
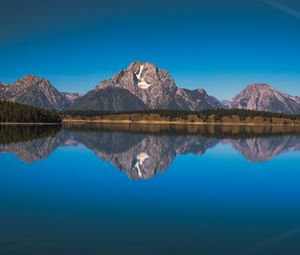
{"x":149,"y":190}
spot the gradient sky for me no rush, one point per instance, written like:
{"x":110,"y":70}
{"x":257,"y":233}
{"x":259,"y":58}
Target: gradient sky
{"x":216,"y":44}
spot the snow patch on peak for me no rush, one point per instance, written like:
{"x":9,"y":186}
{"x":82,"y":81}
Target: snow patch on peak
{"x":140,"y":72}
{"x":142,"y":84}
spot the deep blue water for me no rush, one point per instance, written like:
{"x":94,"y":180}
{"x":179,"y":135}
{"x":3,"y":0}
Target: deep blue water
{"x":95,"y":191}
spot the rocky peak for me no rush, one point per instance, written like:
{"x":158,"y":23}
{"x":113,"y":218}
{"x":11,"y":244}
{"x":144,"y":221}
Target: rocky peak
{"x":202,"y":91}
{"x":153,"y":86}
{"x":264,"y":97}
{"x":29,"y":80}
{"x":35,"y":91}
{"x":259,"y":86}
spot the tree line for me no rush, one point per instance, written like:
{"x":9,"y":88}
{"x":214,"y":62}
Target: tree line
{"x":14,"y":112}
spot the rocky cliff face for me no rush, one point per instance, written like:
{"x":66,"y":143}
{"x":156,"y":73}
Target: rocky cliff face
{"x":263,"y":97}
{"x":35,"y":91}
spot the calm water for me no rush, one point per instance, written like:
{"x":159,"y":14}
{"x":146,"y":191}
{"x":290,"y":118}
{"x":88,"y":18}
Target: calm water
{"x":149,"y":190}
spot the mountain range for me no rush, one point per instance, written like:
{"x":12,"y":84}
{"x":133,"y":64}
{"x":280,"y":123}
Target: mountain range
{"x":144,"y":86}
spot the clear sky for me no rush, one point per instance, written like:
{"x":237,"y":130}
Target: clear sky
{"x":216,"y":44}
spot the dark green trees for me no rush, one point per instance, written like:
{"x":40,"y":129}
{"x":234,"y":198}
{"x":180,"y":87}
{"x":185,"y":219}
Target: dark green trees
{"x":14,"y":112}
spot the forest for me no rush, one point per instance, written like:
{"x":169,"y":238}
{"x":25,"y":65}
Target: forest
{"x":14,"y":112}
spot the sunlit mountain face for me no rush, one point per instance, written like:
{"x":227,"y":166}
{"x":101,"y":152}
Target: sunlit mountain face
{"x":144,"y":151}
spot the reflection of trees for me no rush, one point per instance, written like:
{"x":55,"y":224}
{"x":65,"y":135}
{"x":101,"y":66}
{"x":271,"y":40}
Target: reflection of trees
{"x":19,"y":133}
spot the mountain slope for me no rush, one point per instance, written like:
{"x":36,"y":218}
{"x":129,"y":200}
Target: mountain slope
{"x":71,"y":97}
{"x":263,"y":97}
{"x":195,"y":100}
{"x":108,"y":99}
{"x":35,"y":91}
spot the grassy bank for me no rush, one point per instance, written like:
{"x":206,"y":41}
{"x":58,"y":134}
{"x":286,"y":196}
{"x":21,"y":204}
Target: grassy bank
{"x":207,"y":117}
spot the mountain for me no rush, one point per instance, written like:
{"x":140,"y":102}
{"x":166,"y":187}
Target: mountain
{"x":264,"y":97}
{"x":195,"y":100}
{"x":70,"y":97}
{"x":34,"y":91}
{"x":108,"y":99}
{"x":154,"y":87}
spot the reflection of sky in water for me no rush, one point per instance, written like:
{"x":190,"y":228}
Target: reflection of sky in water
{"x":216,"y":203}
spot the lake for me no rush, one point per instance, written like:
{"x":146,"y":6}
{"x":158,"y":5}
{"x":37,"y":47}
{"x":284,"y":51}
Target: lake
{"x":104,"y":189}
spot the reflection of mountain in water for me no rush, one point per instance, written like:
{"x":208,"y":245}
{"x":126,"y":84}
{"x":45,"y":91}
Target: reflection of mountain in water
{"x":265,"y":148}
{"x":32,"y":143}
{"x":142,"y":153}
{"x":141,"y":156}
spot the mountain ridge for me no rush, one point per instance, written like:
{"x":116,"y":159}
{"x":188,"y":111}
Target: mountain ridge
{"x":142,"y":85}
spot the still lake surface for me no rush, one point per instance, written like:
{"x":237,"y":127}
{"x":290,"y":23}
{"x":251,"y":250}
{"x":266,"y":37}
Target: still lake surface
{"x":149,"y":190}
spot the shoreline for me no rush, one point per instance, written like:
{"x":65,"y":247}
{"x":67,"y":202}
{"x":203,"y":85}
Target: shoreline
{"x":29,"y":124}
{"x":149,"y":122}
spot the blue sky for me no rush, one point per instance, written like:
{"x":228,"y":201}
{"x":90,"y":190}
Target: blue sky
{"x":219,"y":45}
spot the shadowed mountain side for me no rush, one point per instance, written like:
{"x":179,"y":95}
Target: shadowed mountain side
{"x":117,"y":99}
